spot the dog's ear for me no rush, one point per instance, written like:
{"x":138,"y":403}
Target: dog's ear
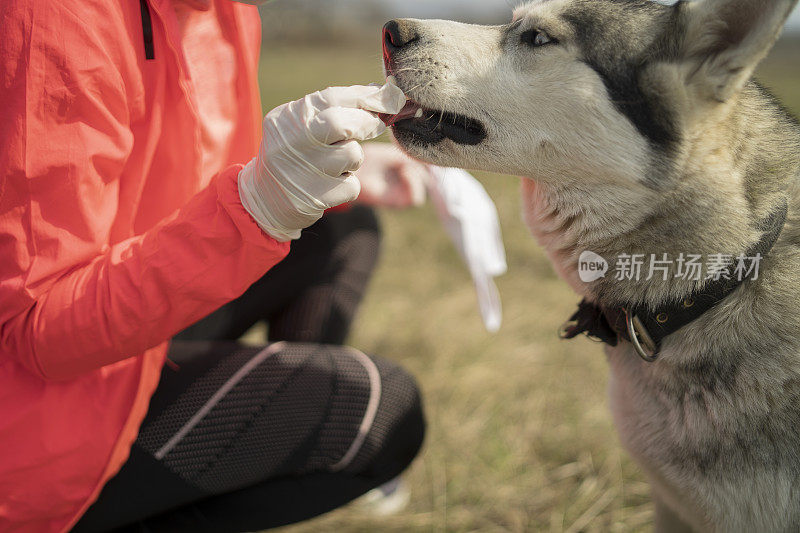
{"x":723,"y":41}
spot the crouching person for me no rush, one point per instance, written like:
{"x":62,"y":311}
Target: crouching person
{"x":132,"y":212}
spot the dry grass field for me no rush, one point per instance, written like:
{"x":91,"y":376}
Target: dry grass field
{"x":520,"y":437}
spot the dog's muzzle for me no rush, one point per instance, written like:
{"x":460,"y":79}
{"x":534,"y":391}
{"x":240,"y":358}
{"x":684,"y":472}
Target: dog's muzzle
{"x":418,"y":123}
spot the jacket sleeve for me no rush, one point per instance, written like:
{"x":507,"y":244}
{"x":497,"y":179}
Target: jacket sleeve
{"x":70,"y":302}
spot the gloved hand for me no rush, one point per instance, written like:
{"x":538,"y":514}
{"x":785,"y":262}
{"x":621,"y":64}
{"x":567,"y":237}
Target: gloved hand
{"x":308,"y":154}
{"x":389,"y":178}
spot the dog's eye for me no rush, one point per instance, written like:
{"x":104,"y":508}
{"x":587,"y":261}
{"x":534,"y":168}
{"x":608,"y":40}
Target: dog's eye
{"x":536,"y":38}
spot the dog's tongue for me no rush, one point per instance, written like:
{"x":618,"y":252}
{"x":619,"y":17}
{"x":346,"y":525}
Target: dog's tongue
{"x":409,"y":110}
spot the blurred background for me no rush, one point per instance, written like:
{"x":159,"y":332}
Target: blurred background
{"x":520,"y":435}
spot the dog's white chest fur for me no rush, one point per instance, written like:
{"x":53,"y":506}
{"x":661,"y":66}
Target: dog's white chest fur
{"x":694,"y":437}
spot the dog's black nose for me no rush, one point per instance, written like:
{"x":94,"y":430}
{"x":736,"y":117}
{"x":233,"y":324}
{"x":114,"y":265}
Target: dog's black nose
{"x":399,"y":33}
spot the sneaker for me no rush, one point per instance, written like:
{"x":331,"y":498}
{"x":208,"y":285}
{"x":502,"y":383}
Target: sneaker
{"x":389,"y":499}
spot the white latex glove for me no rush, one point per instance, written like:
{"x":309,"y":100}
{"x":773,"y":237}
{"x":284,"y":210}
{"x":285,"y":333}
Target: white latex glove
{"x":308,"y":154}
{"x":389,"y":178}
{"x":470,"y":218}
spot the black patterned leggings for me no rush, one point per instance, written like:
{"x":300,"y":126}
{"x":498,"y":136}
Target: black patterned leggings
{"x":243,"y":439}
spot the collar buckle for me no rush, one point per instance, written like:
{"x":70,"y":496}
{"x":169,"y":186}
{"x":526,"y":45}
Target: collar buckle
{"x":640,"y":338}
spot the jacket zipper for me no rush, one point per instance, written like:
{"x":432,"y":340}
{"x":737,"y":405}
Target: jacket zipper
{"x":147,"y":31}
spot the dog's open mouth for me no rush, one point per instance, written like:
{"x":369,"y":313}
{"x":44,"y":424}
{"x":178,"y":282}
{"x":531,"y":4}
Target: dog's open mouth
{"x":430,"y":126}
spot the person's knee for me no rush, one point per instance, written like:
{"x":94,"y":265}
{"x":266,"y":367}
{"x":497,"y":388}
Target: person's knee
{"x":398,"y":431}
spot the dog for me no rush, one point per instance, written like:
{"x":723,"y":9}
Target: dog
{"x":639,"y":132}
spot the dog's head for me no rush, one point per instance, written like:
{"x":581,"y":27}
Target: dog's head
{"x":582,"y":89}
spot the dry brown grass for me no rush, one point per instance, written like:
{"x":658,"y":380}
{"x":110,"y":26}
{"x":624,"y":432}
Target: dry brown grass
{"x":520,"y":436}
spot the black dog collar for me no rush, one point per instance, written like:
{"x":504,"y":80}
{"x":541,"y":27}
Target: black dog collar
{"x":646,"y":328}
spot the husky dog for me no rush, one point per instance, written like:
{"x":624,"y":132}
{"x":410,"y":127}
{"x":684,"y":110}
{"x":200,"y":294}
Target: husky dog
{"x":638,"y":130}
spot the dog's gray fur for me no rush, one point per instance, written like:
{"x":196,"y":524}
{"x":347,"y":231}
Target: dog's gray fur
{"x":641,"y":131}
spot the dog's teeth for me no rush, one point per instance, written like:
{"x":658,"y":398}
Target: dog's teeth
{"x":418,"y":114}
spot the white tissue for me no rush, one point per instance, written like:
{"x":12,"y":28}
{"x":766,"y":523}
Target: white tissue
{"x":470,"y":218}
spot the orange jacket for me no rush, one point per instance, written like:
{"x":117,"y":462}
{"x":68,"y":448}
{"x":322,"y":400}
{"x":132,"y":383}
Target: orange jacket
{"x":115,"y":232}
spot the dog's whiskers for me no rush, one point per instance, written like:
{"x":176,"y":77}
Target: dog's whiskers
{"x":407,"y":69}
{"x":420,"y":87}
{"x":412,"y":89}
